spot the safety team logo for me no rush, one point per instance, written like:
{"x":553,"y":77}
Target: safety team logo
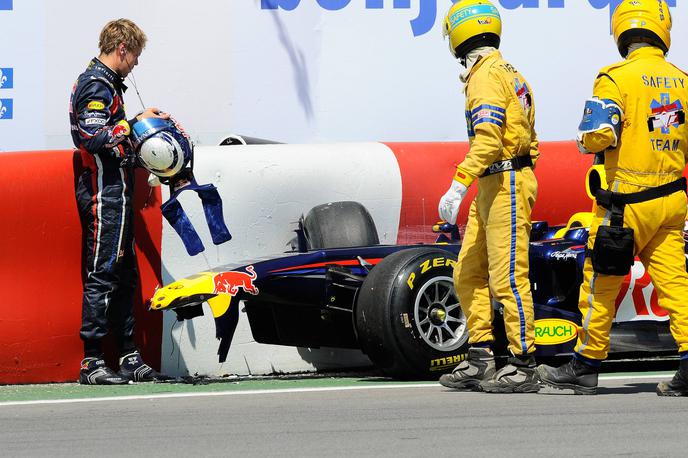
{"x":523,"y":94}
{"x":666,"y":114}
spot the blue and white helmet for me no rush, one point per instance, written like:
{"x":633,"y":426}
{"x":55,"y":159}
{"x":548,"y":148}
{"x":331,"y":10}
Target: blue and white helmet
{"x":161,"y":146}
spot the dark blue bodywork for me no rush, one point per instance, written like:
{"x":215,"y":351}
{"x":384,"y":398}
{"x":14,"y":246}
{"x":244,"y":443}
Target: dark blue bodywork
{"x":307,"y":298}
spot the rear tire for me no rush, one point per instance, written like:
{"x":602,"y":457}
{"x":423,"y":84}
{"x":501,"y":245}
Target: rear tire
{"x":339,"y":225}
{"x":407,"y":317}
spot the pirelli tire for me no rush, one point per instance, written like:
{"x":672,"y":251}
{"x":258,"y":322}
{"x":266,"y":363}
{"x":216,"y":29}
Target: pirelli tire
{"x":339,"y":225}
{"x":407,"y":317}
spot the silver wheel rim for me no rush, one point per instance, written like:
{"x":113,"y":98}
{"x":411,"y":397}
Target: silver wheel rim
{"x":438,"y":315}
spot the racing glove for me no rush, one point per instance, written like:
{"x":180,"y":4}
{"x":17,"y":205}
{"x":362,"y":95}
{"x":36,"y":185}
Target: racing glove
{"x":451,"y":201}
{"x":120,"y":146}
{"x":128,"y":160}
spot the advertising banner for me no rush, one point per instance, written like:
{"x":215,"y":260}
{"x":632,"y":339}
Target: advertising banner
{"x":302,"y":70}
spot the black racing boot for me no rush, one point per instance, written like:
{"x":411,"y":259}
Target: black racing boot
{"x":574,"y":375}
{"x":132,"y":367}
{"x":479,"y":365}
{"x":94,"y":371}
{"x":518,"y":376}
{"x":677,"y":386}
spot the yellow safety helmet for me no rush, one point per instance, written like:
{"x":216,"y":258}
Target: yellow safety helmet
{"x":470,"y":24}
{"x":642,"y":20}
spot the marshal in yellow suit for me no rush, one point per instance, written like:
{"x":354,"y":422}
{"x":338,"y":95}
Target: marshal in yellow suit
{"x":493,"y":261}
{"x":637,"y":118}
{"x":651,"y":150}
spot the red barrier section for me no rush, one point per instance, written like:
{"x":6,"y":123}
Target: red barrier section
{"x":40,"y":244}
{"x":427,"y":170}
{"x":40,"y":268}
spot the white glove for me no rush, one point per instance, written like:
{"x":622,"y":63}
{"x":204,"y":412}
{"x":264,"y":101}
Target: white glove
{"x":450,"y":202}
{"x":153,"y":181}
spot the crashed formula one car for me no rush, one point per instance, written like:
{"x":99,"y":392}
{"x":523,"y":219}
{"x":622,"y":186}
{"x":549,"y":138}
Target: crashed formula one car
{"x":340,"y":288}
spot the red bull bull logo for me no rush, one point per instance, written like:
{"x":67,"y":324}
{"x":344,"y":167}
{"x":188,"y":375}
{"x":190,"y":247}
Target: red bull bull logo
{"x":230,"y":282}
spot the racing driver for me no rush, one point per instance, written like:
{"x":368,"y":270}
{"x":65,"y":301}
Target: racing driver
{"x":493,"y":262}
{"x":104,"y":194}
{"x":637,"y":118}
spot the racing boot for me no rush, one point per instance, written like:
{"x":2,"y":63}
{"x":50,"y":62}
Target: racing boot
{"x":94,"y":371}
{"x":132,"y":367}
{"x":479,"y":365}
{"x":678,"y":386}
{"x":518,"y":376}
{"x":574,"y":375}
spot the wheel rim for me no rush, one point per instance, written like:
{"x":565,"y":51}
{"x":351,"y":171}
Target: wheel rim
{"x":438,"y":315}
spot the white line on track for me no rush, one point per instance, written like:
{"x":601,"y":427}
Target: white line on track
{"x":272,"y":391}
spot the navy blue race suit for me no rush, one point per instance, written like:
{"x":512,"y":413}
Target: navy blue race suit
{"x":104,"y":193}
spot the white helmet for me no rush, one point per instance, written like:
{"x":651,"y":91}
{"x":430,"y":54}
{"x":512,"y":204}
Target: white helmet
{"x":161,"y":146}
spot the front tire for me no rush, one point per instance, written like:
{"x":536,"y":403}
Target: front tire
{"x":408,"y":319}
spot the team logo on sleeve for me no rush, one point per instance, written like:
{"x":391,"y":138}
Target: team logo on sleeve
{"x":118,"y":133}
{"x":523,"y":94}
{"x":666,"y":114}
{"x":121,"y":129}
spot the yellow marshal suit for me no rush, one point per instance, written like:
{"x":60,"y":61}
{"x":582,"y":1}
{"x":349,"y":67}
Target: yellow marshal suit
{"x":493,"y":261}
{"x":651,"y":151}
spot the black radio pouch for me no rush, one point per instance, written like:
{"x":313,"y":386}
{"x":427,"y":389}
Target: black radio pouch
{"x":612,"y":253}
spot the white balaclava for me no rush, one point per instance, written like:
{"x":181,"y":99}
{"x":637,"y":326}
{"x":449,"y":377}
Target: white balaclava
{"x":635,"y":46}
{"x":472,"y":58}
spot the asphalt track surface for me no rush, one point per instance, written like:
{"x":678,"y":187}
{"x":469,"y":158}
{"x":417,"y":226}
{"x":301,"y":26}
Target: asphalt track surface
{"x":349,"y":416}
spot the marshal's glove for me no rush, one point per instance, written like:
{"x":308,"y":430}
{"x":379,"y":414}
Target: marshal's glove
{"x":450,"y":202}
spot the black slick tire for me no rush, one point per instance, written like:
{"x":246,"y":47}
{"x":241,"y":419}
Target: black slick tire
{"x":392,"y":328}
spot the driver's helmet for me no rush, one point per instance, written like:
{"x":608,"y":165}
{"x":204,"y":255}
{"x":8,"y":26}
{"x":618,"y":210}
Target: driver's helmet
{"x":161,"y":146}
